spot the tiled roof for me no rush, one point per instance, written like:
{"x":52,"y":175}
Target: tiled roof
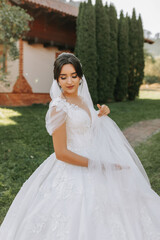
{"x":147,"y":40}
{"x":55,"y":5}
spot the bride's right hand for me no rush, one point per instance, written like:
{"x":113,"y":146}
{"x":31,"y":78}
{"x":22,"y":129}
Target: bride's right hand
{"x":119,"y":167}
{"x":115,"y":166}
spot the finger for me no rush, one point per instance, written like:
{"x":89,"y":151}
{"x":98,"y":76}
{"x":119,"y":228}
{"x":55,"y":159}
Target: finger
{"x":99,"y":106}
{"x":123,"y":167}
{"x":102,"y":112}
{"x":118,"y":166}
{"x":105,"y":109}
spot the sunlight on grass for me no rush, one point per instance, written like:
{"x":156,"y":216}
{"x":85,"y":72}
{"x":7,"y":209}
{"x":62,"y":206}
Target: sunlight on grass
{"x":6,"y":115}
{"x":145,"y":94}
{"x":24,"y":146}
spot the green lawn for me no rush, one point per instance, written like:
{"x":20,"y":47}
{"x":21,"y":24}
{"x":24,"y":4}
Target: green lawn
{"x":127,"y":113}
{"x":149,"y":154}
{"x":25,"y":144}
{"x":149,"y":94}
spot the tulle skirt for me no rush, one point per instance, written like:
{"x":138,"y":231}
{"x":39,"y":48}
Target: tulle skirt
{"x":61,"y":201}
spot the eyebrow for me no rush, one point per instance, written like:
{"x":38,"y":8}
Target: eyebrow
{"x":66,"y":74}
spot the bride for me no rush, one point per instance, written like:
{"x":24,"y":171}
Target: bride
{"x":93,"y":187}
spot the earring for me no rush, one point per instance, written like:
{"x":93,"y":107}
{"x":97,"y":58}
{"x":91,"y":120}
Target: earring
{"x":59,"y":85}
{"x":60,"y":88}
{"x":80,"y":82}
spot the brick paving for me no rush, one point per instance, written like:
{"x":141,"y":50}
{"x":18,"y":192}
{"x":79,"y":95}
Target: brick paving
{"x":141,"y":131}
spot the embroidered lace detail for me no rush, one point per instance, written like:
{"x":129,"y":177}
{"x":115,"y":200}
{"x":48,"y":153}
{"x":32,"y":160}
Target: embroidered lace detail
{"x":62,"y":103}
{"x":39,"y":225}
{"x":60,"y":225}
{"x":148,"y":226}
{"x":57,"y":222}
{"x":78,"y":124}
{"x":65,"y":202}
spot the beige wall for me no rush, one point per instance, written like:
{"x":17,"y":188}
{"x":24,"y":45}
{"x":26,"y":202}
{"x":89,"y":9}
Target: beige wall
{"x":154,"y":48}
{"x":38,"y":66}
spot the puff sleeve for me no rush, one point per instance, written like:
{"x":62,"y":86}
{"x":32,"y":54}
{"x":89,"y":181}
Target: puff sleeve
{"x":56,"y":115}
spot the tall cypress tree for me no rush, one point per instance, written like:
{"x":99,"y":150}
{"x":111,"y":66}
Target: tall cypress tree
{"x":78,"y":29}
{"x":86,"y":46}
{"x":140,"y":55}
{"x":103,"y":55}
{"x":113,"y":66}
{"x":133,"y":60}
{"x":121,"y":86}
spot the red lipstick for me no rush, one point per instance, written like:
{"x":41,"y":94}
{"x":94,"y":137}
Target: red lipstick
{"x":70,"y":87}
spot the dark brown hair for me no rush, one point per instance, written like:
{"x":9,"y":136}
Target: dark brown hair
{"x":67,"y":58}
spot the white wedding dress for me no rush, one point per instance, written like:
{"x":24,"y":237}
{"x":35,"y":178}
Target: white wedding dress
{"x":61,"y":201}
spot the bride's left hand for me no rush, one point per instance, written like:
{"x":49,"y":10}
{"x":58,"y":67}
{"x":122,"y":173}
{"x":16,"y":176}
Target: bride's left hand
{"x":104,"y":110}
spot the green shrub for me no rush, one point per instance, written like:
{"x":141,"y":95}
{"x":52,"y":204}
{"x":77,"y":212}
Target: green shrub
{"x":151,"y":79}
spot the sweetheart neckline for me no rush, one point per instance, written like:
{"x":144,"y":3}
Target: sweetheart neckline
{"x":73,"y":104}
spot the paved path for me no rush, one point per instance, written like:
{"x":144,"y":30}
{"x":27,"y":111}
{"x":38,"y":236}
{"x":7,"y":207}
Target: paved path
{"x":141,"y":131}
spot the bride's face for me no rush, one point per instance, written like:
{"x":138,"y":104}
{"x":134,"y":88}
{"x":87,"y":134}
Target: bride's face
{"x":69,"y":80}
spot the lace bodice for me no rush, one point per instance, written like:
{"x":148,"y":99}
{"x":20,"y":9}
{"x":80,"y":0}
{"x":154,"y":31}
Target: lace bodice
{"x":78,"y":124}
